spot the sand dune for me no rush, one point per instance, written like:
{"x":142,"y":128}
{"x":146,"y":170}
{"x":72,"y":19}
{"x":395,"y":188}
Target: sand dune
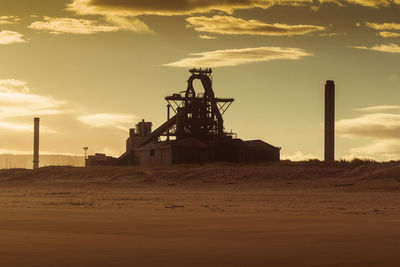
{"x":280,"y":214}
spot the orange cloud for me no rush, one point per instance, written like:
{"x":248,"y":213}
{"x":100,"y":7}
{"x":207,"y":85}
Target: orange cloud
{"x":107,"y":120}
{"x":84,"y":26}
{"x":69,"y":25}
{"x":383,"y":26}
{"x":237,"y":26}
{"x":374,"y":125}
{"x":234,"y":57}
{"x":10,"y":37}
{"x":207,"y":37}
{"x":389,"y":34}
{"x":189,"y":7}
{"x":388,"y":48}
{"x":65,"y":127}
{"x":162,"y":7}
{"x":9,"y":20}
{"x":380,"y":128}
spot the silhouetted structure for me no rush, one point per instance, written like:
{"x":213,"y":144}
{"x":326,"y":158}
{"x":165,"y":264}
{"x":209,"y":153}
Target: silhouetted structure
{"x":329,"y":121}
{"x":36,"y":144}
{"x":194,"y":133}
{"x":99,"y":159}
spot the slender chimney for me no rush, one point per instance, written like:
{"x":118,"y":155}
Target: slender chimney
{"x":36,"y":144}
{"x":330,"y":121}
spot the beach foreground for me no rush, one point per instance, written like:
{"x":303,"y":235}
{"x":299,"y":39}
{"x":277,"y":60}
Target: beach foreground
{"x":287,"y":214}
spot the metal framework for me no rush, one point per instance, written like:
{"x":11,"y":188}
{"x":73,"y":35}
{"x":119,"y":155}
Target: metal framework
{"x":194,"y":115}
{"x":203,"y":112}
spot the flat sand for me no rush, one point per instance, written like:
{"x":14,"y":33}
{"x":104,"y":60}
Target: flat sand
{"x":287,"y":214}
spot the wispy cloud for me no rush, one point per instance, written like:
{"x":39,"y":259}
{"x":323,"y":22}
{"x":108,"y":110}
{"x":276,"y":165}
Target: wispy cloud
{"x":10,"y":37}
{"x":16,"y":101}
{"x":386,"y":29}
{"x":386,"y":48}
{"x":128,"y":24}
{"x":162,"y":7}
{"x":188,"y":7}
{"x":23,"y":127}
{"x":368,"y":3}
{"x":132,"y":9}
{"x":207,"y":37}
{"x":378,"y":108}
{"x":65,"y":127}
{"x":84,"y":26}
{"x":389,"y":34}
{"x":383,"y":26}
{"x":329,"y":34}
{"x":375,"y":125}
{"x":234,"y":57}
{"x":380,"y":128}
{"x":389,"y":149}
{"x":106,"y":120}
{"x":237,"y":26}
{"x":14,"y":86}
{"x":9,"y":20}
{"x":70,"y":25}
{"x":299,"y":156}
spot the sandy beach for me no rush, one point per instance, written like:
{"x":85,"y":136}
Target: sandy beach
{"x":284,"y":214}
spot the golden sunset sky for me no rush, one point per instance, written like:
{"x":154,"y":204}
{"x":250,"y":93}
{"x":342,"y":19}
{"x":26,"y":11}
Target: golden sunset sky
{"x":90,"y":69}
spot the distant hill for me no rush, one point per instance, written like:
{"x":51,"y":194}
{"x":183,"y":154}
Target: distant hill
{"x":25,"y":161}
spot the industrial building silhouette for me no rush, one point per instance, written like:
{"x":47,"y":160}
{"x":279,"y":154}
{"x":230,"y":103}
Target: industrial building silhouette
{"x":194,"y":133}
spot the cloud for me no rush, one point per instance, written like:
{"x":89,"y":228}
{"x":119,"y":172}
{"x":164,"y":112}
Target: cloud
{"x":375,"y":125}
{"x":9,"y":20}
{"x":84,"y":26}
{"x":381,"y":130}
{"x":390,"y":149}
{"x":389,"y":34}
{"x":64,"y":127}
{"x":17,"y":103}
{"x":378,"y":108}
{"x":129,"y":24}
{"x":162,"y":7}
{"x":10,"y":37}
{"x":16,"y":100}
{"x":118,"y":10}
{"x":371,"y":3}
{"x":207,"y":37}
{"x":16,"y":127}
{"x":13,"y":86}
{"x":386,"y":48}
{"x":70,"y":25}
{"x":105,"y":120}
{"x":23,"y":127}
{"x":189,"y":7}
{"x":234,"y":57}
{"x":330,"y":34}
{"x":237,"y":26}
{"x":298,"y":156}
{"x":383,"y":26}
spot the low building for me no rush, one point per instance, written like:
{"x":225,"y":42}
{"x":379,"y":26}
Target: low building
{"x":100,"y":159}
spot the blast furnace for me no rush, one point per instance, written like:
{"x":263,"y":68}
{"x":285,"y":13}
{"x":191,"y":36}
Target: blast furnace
{"x":193,"y":133}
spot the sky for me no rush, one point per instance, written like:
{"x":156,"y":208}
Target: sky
{"x":90,"y":69}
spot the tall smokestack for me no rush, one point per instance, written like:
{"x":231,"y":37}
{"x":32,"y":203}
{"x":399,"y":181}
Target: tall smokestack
{"x":36,"y":144}
{"x":330,"y":121}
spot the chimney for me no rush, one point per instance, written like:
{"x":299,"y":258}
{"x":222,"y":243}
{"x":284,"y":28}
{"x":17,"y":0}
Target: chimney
{"x":36,"y":144}
{"x":330,"y":121}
